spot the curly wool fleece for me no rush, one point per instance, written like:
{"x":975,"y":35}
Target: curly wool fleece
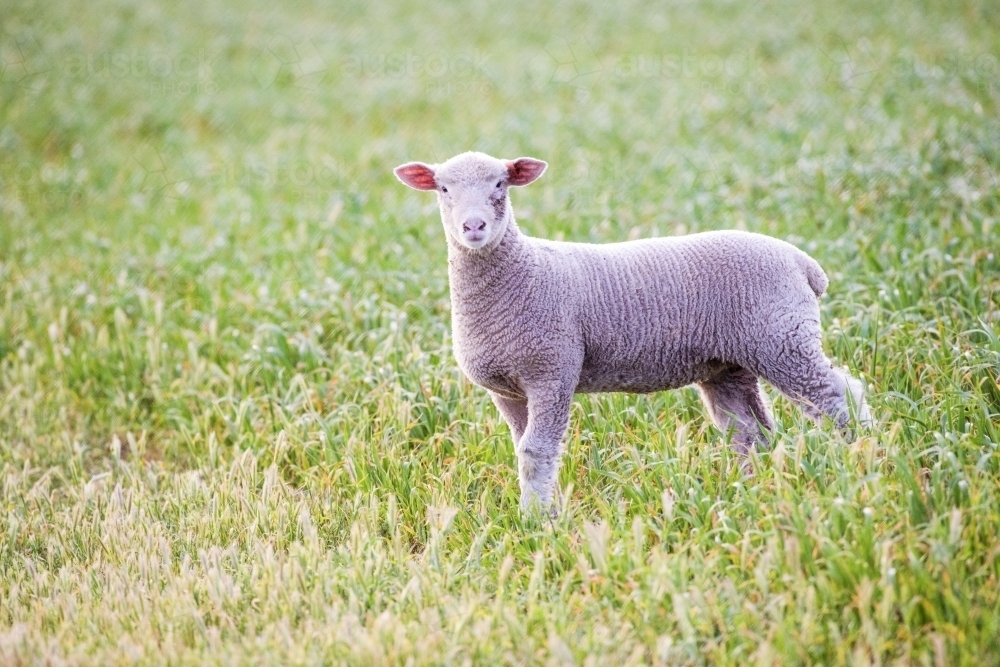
{"x":536,"y":321}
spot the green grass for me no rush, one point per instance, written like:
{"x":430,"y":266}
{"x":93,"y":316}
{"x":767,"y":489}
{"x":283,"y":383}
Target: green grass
{"x":231,"y":428}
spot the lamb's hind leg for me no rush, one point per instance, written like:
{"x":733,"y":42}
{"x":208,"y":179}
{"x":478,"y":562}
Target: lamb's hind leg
{"x":735,"y":401}
{"x":811,"y":380}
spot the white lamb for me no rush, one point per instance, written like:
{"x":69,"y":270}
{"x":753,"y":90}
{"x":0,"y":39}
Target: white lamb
{"x":535,"y":321}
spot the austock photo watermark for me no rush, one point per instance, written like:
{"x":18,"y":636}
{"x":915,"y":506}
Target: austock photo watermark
{"x":575,"y":63}
{"x":296,"y":179}
{"x":598,"y":180}
{"x":299,"y":62}
{"x":24,"y":62}
{"x":439,"y":73}
{"x":305,"y":63}
{"x":157,"y":72}
{"x":155,"y":174}
{"x":170,"y":175}
{"x":48,"y":186}
{"x":978,"y":72}
{"x":861,"y":66}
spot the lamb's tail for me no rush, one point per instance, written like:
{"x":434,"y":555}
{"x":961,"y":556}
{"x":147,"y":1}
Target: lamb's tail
{"x":814,"y":274}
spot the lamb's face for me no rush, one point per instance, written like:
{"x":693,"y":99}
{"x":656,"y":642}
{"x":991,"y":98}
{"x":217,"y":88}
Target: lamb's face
{"x":472,"y":193}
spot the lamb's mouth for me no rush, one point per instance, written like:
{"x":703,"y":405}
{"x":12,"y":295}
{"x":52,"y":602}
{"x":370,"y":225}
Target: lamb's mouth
{"x":474,"y":241}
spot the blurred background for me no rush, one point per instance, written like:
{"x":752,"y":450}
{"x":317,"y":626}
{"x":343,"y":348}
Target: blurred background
{"x":204,"y":256}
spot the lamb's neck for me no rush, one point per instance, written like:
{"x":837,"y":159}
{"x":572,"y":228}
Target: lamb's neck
{"x":477,"y":274}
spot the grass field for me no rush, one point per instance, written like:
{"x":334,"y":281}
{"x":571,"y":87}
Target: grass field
{"x":231,"y":428}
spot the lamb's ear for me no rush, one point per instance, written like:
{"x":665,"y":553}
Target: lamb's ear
{"x":524,"y":170}
{"x":417,"y":175}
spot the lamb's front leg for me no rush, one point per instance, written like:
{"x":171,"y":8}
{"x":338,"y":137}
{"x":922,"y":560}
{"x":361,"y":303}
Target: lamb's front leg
{"x":539,"y":449}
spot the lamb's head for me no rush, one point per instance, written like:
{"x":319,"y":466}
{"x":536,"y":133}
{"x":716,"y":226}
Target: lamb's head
{"x":472,"y":193}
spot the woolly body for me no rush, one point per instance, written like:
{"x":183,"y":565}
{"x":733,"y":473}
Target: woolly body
{"x":640,"y":317}
{"x":535,"y":321}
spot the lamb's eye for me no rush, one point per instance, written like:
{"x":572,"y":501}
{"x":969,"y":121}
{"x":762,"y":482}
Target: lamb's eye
{"x":444,"y":189}
{"x":498,"y":183}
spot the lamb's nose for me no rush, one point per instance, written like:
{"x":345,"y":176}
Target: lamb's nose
{"x":476,"y":224}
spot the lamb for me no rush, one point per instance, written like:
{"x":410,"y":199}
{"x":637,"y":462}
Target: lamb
{"x":535,"y":321}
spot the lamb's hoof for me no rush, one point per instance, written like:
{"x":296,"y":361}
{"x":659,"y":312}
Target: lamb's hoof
{"x":855,"y":430}
{"x":533,"y":506}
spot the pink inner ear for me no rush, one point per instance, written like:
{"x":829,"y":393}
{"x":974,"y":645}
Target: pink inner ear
{"x":524,"y":170}
{"x":416,"y":175}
